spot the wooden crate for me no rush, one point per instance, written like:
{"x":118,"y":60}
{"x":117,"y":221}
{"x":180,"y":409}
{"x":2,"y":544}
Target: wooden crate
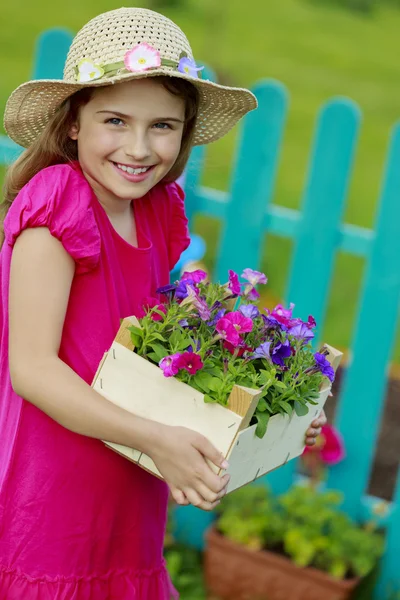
{"x":140,"y":387}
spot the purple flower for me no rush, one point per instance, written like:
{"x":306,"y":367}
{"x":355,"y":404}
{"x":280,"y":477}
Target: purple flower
{"x":188,"y":67}
{"x":254,"y":277}
{"x":249,"y":310}
{"x":166,"y":289}
{"x":218,"y":315}
{"x":280,"y":352}
{"x":170,"y":364}
{"x":251,"y":293}
{"x":272,"y":323}
{"x":263,"y":351}
{"x":234,"y":285}
{"x":302,"y":332}
{"x":194,"y":276}
{"x":202,"y":308}
{"x":185,"y":289}
{"x":184,"y":323}
{"x":322,"y":364}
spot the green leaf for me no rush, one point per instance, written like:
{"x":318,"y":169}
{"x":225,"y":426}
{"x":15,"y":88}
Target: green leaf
{"x":209,"y":400}
{"x":153,"y":357}
{"x":262,"y":423}
{"x":203,"y":379}
{"x":158,"y":336}
{"x":215,"y":384}
{"x":262,"y":405}
{"x":286,"y":407}
{"x":136,"y":335}
{"x":175,"y":337}
{"x":280,"y":385}
{"x":159,"y":351}
{"x":301,"y":409}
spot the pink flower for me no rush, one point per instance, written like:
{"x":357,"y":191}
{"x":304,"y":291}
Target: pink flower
{"x":241,"y":323}
{"x":232,"y":325}
{"x":190,"y":361}
{"x":142,"y":57}
{"x":170,"y":364}
{"x":283,"y":315}
{"x":228,"y":332}
{"x":329,"y":446}
{"x":234,"y":285}
{"x":194,"y":276}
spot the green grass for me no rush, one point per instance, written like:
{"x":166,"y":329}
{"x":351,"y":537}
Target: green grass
{"x":318,"y":50}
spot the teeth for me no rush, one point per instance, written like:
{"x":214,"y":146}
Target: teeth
{"x":131,"y":170}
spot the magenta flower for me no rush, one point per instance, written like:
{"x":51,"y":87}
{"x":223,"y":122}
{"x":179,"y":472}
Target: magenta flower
{"x":194,"y":276}
{"x":283,"y":315}
{"x":170,"y":364}
{"x":234,"y":285}
{"x":228,"y":332}
{"x":329,"y":446}
{"x":254,"y":277}
{"x":190,"y":361}
{"x":241,"y":323}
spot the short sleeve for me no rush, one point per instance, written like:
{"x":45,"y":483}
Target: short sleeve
{"x":178,"y":239}
{"x":59,"y":198}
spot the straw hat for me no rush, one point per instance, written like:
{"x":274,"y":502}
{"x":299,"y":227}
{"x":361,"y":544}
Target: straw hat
{"x":121,"y":45}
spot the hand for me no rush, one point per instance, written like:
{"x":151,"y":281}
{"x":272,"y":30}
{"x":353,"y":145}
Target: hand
{"x":315,"y":429}
{"x":180,"y":455}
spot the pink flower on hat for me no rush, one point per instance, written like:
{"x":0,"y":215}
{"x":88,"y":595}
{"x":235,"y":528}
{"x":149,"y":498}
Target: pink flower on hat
{"x":142,"y":57}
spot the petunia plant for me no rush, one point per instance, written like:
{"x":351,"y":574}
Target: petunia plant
{"x":213,"y":336}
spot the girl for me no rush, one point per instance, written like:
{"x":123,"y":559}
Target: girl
{"x":94,"y":223}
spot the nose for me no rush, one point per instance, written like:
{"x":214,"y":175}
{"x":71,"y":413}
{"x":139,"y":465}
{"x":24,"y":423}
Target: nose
{"x":138,"y":145}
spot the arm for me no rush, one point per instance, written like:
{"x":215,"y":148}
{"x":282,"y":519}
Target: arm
{"x":40,"y":282}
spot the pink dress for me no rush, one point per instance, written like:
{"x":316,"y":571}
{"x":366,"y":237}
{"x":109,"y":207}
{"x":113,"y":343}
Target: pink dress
{"x":77,"y":521}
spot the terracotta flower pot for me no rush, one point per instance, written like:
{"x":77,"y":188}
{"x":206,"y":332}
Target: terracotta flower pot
{"x":235,"y":572}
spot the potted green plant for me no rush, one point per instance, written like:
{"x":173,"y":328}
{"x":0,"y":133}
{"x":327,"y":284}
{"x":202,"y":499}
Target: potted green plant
{"x":298,"y":546}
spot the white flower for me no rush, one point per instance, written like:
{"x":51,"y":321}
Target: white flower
{"x":88,"y":71}
{"x":142,"y":57}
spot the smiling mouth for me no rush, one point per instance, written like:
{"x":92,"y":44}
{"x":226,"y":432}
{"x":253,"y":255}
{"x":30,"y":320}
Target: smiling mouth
{"x":132,"y":170}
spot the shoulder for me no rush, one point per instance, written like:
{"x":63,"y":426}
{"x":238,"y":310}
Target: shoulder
{"x":59,"y":198}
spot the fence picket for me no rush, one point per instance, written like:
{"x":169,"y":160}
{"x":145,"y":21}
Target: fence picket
{"x":362,"y":396}
{"x":389,"y":578}
{"x":253,"y":180}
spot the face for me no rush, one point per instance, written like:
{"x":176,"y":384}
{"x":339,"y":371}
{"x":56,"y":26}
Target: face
{"x":129,"y":136}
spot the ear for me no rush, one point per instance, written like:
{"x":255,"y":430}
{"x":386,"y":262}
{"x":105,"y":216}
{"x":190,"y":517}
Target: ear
{"x":73,"y":132}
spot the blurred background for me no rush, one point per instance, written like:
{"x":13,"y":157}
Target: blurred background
{"x":318,"y":49}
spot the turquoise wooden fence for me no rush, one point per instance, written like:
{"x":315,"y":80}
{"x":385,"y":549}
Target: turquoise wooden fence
{"x":318,"y":233}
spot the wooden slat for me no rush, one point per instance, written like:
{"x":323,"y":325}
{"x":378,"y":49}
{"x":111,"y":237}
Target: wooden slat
{"x":123,"y":336}
{"x":243,"y":401}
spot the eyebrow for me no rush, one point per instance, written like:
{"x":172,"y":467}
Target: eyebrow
{"x":122,"y":116}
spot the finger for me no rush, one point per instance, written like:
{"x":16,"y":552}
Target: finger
{"x":195,"y":499}
{"x":209,"y":495}
{"x":210,"y":452}
{"x":178,"y":496}
{"x":320,"y":421}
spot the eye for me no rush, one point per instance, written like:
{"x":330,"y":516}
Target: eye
{"x":115,"y":121}
{"x":162,"y":126}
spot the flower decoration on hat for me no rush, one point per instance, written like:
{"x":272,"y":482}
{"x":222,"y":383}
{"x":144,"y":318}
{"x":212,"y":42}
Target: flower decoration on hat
{"x":88,"y":71}
{"x":142,"y":57}
{"x":188,"y":67}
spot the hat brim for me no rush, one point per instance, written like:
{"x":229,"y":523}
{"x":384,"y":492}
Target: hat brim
{"x":31,"y":105}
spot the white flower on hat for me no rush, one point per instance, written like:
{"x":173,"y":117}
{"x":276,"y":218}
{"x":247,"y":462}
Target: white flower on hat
{"x":88,"y":71}
{"x":142,"y":57}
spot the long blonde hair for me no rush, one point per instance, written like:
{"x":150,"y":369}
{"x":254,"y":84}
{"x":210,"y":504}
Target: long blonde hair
{"x":54,"y":146}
